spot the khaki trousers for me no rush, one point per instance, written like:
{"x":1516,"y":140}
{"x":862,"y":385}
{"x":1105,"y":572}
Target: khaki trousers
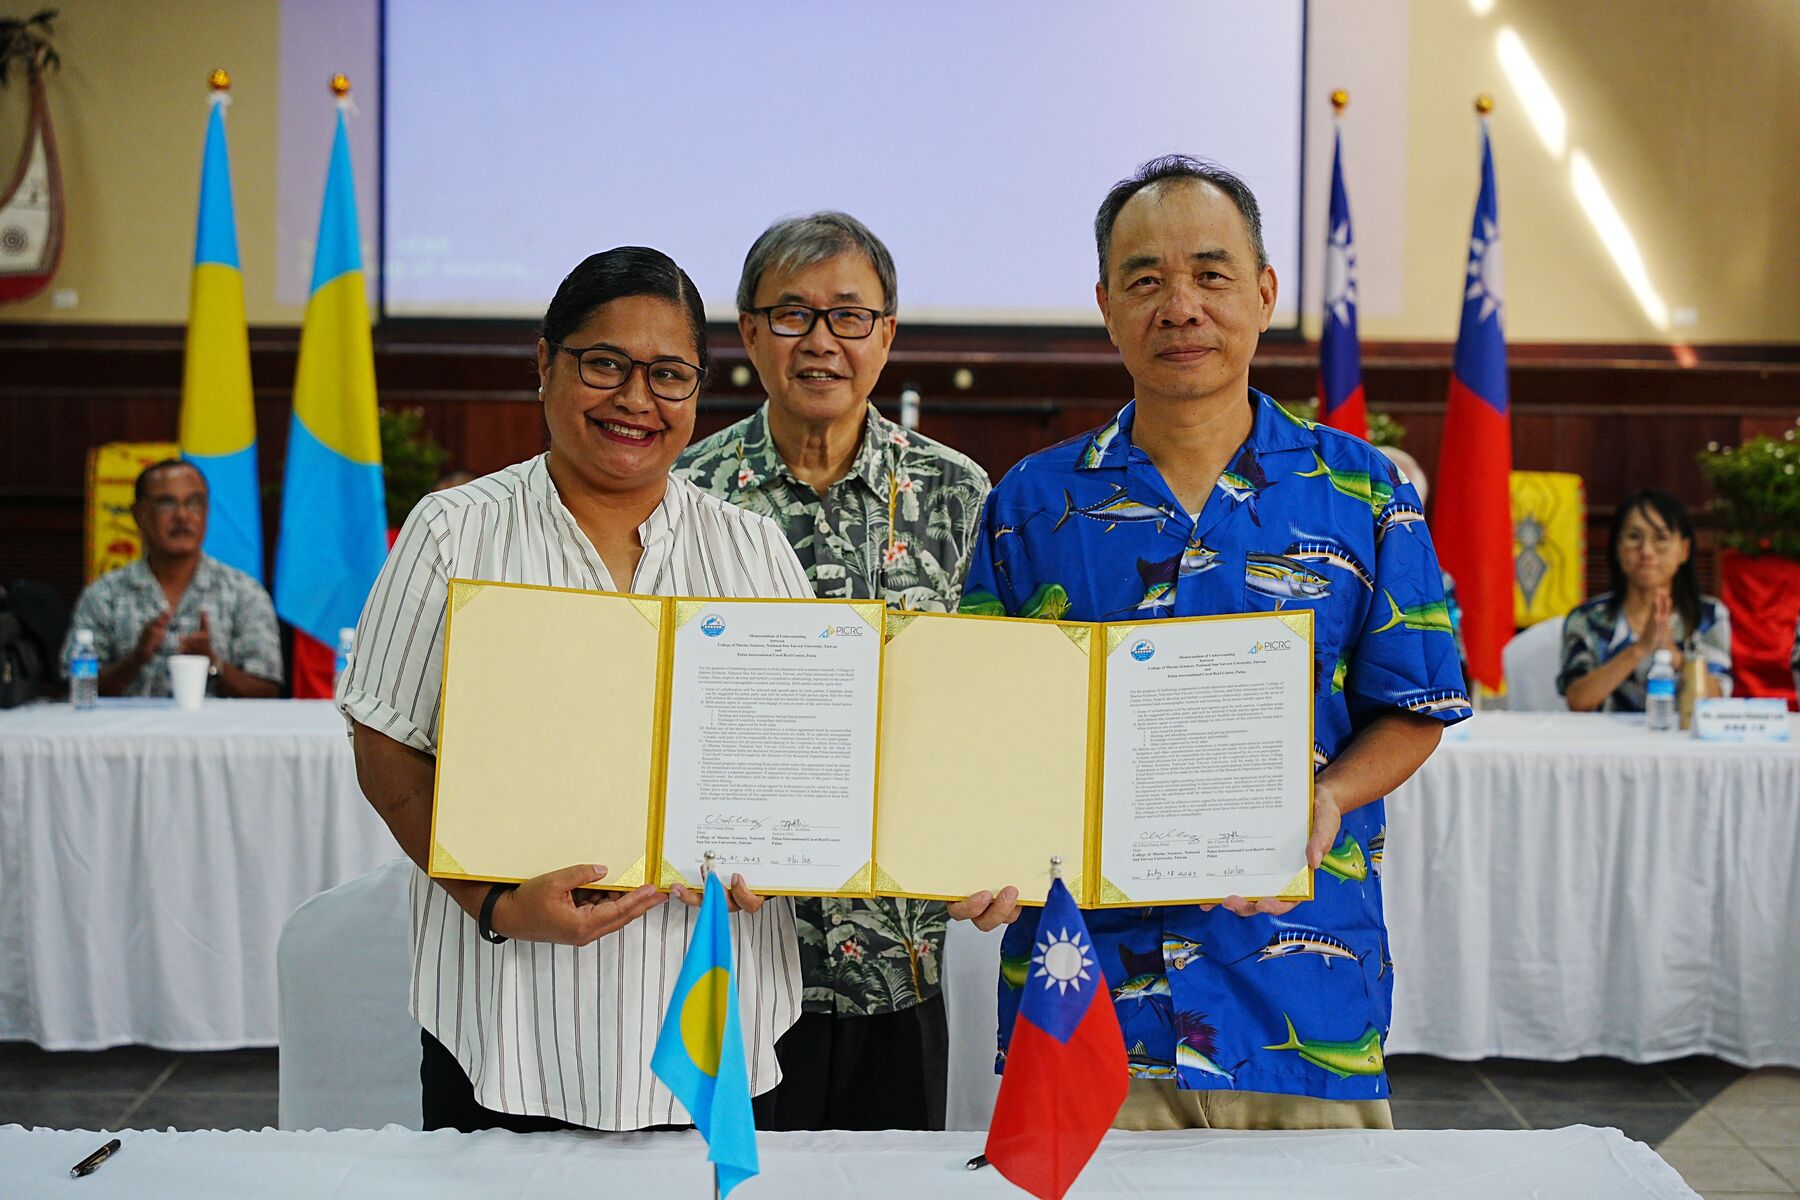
{"x":1155,"y":1104}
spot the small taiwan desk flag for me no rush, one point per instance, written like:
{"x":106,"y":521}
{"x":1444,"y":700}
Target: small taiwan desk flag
{"x":1065,"y":1074}
{"x":700,"y":1050}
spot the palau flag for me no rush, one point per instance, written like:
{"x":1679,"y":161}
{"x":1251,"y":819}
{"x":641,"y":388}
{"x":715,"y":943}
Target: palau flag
{"x":1472,"y":520}
{"x":700,"y":1050}
{"x":218,"y":418}
{"x":333,"y":513}
{"x":1340,"y":353}
{"x":1065,"y":1075}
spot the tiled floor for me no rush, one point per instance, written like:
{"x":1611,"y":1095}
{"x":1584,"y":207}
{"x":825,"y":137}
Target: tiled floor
{"x":1728,"y":1131}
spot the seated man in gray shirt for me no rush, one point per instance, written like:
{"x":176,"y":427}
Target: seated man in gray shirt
{"x":177,"y":600}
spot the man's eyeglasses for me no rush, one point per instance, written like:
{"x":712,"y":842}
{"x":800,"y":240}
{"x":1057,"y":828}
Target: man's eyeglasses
{"x":797,"y":320}
{"x":606,"y":368}
{"x":162,"y":506}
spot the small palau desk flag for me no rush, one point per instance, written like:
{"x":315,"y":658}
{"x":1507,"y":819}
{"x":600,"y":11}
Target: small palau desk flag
{"x":1471,"y":520}
{"x":218,"y":416}
{"x":333,"y":506}
{"x":1065,"y":1075}
{"x":700,"y":1050}
{"x":1340,"y":352}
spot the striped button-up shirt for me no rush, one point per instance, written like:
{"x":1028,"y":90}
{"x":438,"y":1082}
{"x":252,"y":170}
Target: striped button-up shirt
{"x":541,"y":1029}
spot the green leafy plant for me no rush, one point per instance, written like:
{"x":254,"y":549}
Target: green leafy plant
{"x":1383,"y":429}
{"x":411,"y":460}
{"x":1756,"y":490}
{"x":26,"y":44}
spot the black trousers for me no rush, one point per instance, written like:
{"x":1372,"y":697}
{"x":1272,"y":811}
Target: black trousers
{"x":448,"y":1098}
{"x":864,"y":1073}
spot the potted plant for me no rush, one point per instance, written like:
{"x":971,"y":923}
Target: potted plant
{"x":1756,"y":488}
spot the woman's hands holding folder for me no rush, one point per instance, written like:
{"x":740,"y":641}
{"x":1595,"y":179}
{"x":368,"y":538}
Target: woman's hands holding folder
{"x":548,"y":908}
{"x":988,"y":910}
{"x":738,"y":896}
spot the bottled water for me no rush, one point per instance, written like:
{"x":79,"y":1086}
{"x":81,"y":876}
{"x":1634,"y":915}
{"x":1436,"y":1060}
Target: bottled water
{"x":1659,"y":698}
{"x":84,"y":671}
{"x":346,"y":644}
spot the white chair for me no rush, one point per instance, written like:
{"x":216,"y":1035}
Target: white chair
{"x":349,"y":1044}
{"x":1531,"y":662}
{"x":971,"y":1007}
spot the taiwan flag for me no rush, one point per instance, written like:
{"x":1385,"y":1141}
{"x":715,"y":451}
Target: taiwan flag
{"x":1472,"y":522}
{"x":1065,"y":1075}
{"x":1340,"y":354}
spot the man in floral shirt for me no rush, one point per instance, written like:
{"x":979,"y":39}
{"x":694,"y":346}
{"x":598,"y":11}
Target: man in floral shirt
{"x":873,"y":511}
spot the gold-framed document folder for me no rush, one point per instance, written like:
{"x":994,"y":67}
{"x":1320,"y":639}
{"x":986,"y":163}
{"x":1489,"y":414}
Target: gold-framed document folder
{"x":832,"y":748}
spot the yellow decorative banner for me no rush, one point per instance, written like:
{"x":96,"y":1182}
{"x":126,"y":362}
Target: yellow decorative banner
{"x":1116,"y":635}
{"x":687,"y":610}
{"x":1549,"y":512}
{"x":1081,"y":635}
{"x":859,"y":882}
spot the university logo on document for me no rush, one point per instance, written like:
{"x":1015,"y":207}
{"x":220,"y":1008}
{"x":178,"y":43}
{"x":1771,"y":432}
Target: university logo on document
{"x":712,"y":625}
{"x":1143,"y":649}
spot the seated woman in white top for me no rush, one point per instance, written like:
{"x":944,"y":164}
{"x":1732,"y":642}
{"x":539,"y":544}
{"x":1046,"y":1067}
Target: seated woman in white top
{"x":1654,"y":604}
{"x":556,"y":1025}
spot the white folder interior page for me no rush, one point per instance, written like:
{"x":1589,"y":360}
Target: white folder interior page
{"x":1208,"y":759}
{"x":772,"y":726}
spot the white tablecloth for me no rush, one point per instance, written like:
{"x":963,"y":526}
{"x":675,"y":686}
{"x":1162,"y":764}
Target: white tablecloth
{"x":148,"y":857}
{"x":1577,"y":1163}
{"x":1571,"y":884}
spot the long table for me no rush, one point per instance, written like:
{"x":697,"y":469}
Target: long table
{"x":1562,"y":885}
{"x":1557,"y":886}
{"x":149,"y":857}
{"x":1576,"y":1163}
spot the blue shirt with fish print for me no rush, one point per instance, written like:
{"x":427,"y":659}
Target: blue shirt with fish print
{"x":1303,"y":517}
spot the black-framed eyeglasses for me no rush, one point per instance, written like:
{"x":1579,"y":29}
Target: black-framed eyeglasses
{"x":162,"y":506}
{"x":797,"y":320}
{"x":608,"y":367}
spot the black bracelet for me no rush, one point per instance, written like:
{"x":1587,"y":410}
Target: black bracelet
{"x":485,"y":922}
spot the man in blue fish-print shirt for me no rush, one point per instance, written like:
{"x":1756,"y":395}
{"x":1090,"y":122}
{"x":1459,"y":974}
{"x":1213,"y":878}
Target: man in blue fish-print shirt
{"x":1203,"y":496}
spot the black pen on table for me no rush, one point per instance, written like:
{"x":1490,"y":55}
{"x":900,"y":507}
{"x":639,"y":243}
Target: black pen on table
{"x":976,"y":1163}
{"x":91,"y":1163}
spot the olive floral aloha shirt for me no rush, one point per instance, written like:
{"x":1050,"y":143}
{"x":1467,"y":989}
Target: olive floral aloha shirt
{"x":898,"y":527}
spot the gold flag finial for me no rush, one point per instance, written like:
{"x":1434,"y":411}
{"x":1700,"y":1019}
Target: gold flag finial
{"x":1484,"y":104}
{"x":340,"y":85}
{"x":1340,"y":100}
{"x":219,"y":80}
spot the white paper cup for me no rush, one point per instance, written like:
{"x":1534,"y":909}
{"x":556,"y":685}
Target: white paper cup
{"x":187,"y":679}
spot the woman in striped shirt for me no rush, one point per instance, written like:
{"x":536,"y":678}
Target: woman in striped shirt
{"x":551,"y":1020}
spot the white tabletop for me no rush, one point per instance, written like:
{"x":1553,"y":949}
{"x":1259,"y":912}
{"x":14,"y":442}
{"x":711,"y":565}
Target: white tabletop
{"x":1577,"y":1163}
{"x":1600,"y":734}
{"x":1570,"y":884}
{"x":150,"y":857}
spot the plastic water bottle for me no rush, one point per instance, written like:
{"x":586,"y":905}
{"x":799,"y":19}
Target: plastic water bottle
{"x":346,"y":644}
{"x":84,"y":671}
{"x":1659,"y":697}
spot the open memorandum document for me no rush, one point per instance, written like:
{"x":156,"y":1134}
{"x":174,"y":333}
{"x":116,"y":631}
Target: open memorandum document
{"x":826,"y":747}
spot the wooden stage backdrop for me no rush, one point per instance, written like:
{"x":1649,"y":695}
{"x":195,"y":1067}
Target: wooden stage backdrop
{"x":1621,"y":417}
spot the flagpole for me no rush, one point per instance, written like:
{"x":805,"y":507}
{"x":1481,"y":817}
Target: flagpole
{"x":708,"y":863}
